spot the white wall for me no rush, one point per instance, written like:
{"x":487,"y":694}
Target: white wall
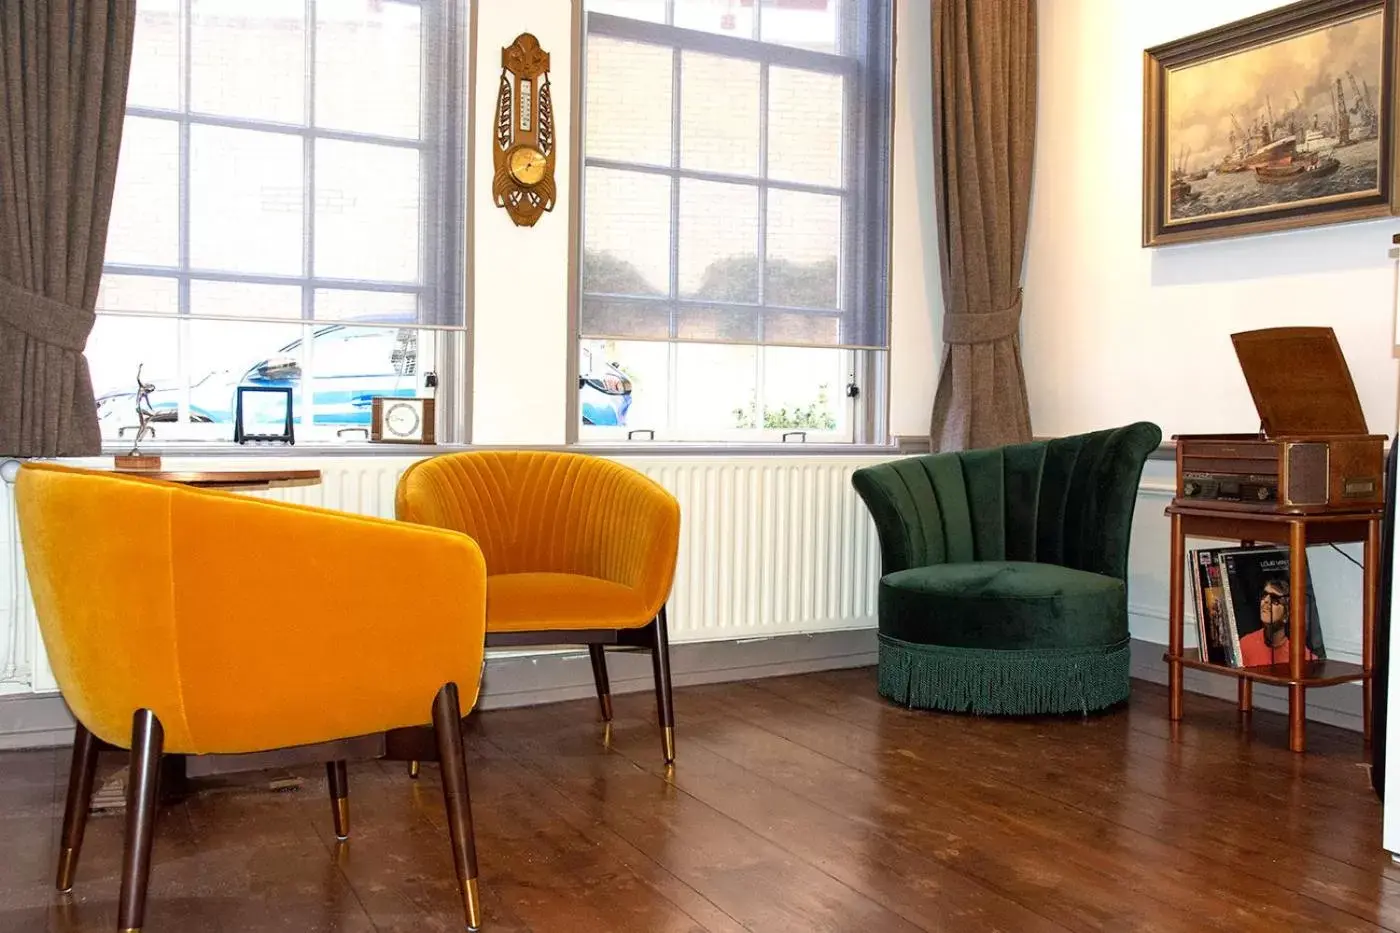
{"x":916,"y":298}
{"x":1114,"y":332}
{"x":521,"y":274}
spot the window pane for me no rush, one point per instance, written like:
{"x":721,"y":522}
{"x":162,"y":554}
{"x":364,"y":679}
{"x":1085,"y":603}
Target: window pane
{"x":155,"y":57}
{"x":718,"y":241}
{"x":367,"y":221}
{"x":244,"y":299}
{"x":714,"y":388}
{"x":805,"y":120}
{"x":807,"y":24}
{"x":138,"y":293}
{"x":146,"y":206}
{"x":618,"y":317}
{"x":351,"y":365}
{"x":653,"y":11}
{"x":721,"y":325}
{"x":627,"y":241}
{"x":614,"y":375}
{"x":719,"y":114}
{"x":721,"y":16}
{"x":226,"y":354}
{"x":387,"y":307}
{"x":798,"y":327}
{"x":629,"y":101}
{"x":116,"y":348}
{"x":804,"y":389}
{"x":369,"y":66}
{"x":245,"y":201}
{"x":804,"y":242}
{"x":248,"y":60}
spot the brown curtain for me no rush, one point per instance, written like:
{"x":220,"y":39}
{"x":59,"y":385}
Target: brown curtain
{"x":984,"y":76}
{"x":63,"y":73}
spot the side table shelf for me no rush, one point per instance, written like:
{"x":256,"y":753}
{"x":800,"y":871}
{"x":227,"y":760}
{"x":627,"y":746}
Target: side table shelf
{"x":1195,"y":518}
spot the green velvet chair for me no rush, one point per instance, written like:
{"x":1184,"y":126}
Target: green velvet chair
{"x":1004,"y":573}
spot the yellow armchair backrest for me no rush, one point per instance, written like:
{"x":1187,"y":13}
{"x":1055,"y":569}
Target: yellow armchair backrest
{"x":551,"y":512}
{"x":244,"y":624}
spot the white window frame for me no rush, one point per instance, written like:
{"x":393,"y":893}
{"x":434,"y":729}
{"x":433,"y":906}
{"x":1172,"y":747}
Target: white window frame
{"x":441,"y":291}
{"x":865,"y":389}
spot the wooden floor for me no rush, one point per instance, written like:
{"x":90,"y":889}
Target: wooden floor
{"x":801,"y":803}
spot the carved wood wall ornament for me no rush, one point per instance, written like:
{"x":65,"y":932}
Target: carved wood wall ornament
{"x":523,"y":147}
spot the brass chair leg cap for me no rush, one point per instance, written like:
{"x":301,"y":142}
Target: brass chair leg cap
{"x":67,"y":863}
{"x":413,"y":770}
{"x":668,"y":738}
{"x":472,"y":897}
{"x":342,"y":823}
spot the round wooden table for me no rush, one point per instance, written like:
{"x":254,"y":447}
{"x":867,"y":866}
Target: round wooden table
{"x":230,"y":479}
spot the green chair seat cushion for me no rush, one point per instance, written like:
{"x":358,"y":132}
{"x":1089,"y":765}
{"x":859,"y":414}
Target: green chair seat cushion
{"x":1004,"y":605}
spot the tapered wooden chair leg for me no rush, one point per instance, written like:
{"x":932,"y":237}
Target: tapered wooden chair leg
{"x":600,"y":680}
{"x":339,"y":784}
{"x":453,"y":765}
{"x":661,"y":670}
{"x":147,"y":739}
{"x":75,"y":811}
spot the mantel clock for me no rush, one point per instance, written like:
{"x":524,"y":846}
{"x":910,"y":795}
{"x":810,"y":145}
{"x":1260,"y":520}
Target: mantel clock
{"x":524,"y":138}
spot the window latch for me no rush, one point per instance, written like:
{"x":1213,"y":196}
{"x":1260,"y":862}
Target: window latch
{"x":344,"y":431}
{"x":801,"y":434}
{"x":121,"y":431}
{"x":651,"y":435}
{"x":852,"y":390}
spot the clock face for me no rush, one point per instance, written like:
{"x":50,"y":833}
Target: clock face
{"x":527,"y":165}
{"x":402,"y":419}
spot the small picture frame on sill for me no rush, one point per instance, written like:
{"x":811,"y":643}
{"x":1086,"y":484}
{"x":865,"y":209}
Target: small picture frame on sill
{"x":263,"y":415}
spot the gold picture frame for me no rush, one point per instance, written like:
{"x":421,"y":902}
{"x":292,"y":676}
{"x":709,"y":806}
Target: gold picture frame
{"x":1279,"y":121}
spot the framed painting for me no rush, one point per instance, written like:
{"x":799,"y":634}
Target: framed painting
{"x":1279,"y":121}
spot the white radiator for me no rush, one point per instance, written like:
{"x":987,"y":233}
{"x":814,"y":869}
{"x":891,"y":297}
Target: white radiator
{"x":769,"y":545}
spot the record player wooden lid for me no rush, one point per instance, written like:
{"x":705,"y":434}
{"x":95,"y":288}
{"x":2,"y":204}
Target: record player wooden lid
{"x":1300,"y":381}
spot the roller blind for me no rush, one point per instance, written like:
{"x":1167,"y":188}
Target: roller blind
{"x":736,"y":172}
{"x":293,"y":160}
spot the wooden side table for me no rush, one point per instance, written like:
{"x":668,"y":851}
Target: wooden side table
{"x":1241,"y":523}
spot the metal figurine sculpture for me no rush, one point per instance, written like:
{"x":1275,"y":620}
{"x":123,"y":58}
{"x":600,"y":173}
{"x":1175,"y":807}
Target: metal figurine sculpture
{"x":135,"y":460}
{"x":144,"y":410}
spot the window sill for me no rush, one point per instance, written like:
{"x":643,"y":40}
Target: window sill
{"x":613,"y":449}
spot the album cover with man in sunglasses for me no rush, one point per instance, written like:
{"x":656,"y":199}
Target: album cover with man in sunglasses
{"x":1260,"y":598}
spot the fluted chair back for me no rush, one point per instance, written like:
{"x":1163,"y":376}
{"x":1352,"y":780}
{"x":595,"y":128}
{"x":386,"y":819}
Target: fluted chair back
{"x":1066,"y":501}
{"x":552,"y":512}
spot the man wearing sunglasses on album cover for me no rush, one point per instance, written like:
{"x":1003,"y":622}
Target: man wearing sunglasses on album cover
{"x":1269,"y":643}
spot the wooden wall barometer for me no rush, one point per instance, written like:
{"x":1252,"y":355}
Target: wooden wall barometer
{"x":524,"y":137}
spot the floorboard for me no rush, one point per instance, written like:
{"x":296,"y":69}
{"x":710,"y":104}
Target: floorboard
{"x":802,"y":803}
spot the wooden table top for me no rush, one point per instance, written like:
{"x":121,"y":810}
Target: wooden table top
{"x":223,"y":479}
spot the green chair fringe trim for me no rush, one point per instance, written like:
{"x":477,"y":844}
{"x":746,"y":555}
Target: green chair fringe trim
{"x":1024,"y":682}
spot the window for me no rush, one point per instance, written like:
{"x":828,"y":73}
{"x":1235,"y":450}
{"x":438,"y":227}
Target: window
{"x":734,"y":275}
{"x":289,"y":211}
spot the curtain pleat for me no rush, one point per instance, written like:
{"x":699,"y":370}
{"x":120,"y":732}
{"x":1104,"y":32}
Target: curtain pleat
{"x":984,"y":89}
{"x":64,"y":66}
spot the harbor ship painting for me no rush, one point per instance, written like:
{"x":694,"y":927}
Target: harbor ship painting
{"x":1258,"y":132}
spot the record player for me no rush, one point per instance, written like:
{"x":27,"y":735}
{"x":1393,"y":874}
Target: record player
{"x":1312,"y":452}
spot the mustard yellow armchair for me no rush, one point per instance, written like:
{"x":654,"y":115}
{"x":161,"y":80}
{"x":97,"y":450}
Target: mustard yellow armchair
{"x":188,"y":621}
{"x":578,"y":550}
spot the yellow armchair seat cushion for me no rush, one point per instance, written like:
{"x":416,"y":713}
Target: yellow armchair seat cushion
{"x":530,"y":602}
